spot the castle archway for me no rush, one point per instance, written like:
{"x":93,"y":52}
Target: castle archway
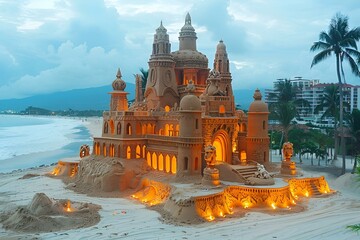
{"x":221,"y":142}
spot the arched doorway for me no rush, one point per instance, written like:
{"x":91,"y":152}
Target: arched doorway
{"x":221,"y":142}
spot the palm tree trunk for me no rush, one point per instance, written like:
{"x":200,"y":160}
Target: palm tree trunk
{"x":342,"y":141}
{"x":336,"y":142}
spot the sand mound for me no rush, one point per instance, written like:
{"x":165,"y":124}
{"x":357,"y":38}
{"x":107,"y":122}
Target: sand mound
{"x":43,"y":214}
{"x":96,"y":175}
{"x":29,"y":175}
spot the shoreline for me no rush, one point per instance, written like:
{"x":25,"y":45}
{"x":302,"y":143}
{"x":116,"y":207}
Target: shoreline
{"x":91,"y":125}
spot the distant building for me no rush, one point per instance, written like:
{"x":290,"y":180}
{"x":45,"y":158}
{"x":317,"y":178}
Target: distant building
{"x":312,"y":91}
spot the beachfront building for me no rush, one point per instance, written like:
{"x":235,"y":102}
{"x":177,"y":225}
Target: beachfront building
{"x":312,"y":91}
{"x":184,"y":108}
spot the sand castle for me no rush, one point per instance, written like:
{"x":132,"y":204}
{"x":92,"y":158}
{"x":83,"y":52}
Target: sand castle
{"x":182,"y":144}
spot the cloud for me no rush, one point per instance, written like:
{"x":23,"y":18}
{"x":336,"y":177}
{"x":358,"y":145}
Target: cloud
{"x":78,"y":67}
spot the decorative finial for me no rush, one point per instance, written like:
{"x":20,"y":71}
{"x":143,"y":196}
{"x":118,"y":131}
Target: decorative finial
{"x":257,"y":95}
{"x":118,"y":74}
{"x":118,"y":84}
{"x":188,"y":19}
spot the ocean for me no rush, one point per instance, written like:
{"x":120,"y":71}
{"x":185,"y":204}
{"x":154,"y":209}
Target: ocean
{"x":29,"y":141}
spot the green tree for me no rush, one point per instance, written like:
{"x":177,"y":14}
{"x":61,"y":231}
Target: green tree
{"x":341,"y":41}
{"x":284,"y":108}
{"x":330,"y":102}
{"x":144,"y":77}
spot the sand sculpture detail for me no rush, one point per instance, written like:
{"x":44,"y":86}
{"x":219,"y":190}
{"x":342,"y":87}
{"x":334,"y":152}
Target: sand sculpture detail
{"x":43,"y":214}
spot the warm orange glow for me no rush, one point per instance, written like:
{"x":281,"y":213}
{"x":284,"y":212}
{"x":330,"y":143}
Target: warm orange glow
{"x":273,"y":206}
{"x":306,"y":194}
{"x":173,"y":165}
{"x":153,"y":193}
{"x":68,"y":206}
{"x":55,"y":171}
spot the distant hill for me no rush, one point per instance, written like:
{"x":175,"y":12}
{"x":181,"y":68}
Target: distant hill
{"x":96,"y":98}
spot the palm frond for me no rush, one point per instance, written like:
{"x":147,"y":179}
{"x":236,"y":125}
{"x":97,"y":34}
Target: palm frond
{"x":320,"y":45}
{"x":321,"y":56}
{"x":353,"y":65}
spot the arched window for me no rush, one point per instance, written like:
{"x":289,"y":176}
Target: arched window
{"x":128,"y":152}
{"x":143,"y":151}
{"x":148,"y":158}
{"x":161,"y":163}
{"x":221,"y":109}
{"x":104,"y":150}
{"x":154,"y":161}
{"x":106,"y":127}
{"x":128,"y":129}
{"x":196,"y":167}
{"x":167,"y":163}
{"x":186,"y":164}
{"x":138,"y":152}
{"x":118,"y":128}
{"x":173,"y":165}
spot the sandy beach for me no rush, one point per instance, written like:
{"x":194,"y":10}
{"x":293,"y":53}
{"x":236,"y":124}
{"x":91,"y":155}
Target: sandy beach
{"x":125,"y":218}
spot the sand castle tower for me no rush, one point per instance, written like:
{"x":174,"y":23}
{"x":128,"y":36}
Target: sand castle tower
{"x":161,"y":88}
{"x":257,"y":139}
{"x":189,"y":152}
{"x":119,"y":100}
{"x":190,"y":63}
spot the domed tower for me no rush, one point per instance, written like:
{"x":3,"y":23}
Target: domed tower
{"x":190,"y":64}
{"x":161,"y":88}
{"x":189,"y":152}
{"x":221,"y":65}
{"x":257,"y":139}
{"x":119,"y":100}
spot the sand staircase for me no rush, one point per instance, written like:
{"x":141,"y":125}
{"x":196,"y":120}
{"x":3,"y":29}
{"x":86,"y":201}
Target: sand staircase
{"x":245,"y":171}
{"x":314,"y":190}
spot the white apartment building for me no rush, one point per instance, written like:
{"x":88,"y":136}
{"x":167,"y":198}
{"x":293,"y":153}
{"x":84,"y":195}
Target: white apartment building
{"x":312,"y":91}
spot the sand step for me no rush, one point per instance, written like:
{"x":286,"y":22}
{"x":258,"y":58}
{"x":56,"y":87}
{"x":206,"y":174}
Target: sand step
{"x":246,"y":171}
{"x":314,"y":190}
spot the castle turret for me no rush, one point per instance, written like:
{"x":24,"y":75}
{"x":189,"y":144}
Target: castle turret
{"x":161,"y":88}
{"x":190,"y":64}
{"x":189,"y":152}
{"x":119,"y":100}
{"x":257,"y":139}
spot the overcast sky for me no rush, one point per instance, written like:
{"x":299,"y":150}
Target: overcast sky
{"x":54,"y":45}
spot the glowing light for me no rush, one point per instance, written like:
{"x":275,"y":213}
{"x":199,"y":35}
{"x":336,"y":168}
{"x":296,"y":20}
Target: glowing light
{"x":273,"y":205}
{"x":210,"y":218}
{"x":68,"y":206}
{"x":306,"y":194}
{"x":293,"y":202}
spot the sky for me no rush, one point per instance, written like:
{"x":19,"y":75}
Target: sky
{"x":58,"y":45}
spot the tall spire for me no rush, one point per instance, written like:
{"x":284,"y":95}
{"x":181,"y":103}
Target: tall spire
{"x":188,"y":19}
{"x":187,"y":36}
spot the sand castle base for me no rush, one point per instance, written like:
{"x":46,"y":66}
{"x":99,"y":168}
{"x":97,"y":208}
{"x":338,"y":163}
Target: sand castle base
{"x":288,"y":168}
{"x":211,"y":177}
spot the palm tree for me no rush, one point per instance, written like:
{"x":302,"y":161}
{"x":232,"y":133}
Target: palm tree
{"x":284,"y":108}
{"x":144,"y":77}
{"x":341,"y":41}
{"x":330,"y":102}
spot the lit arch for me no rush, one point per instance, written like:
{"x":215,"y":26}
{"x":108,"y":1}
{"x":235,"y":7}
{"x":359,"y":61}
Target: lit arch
{"x":148,"y":158}
{"x":128,"y":152}
{"x":138,"y":152}
{"x":173,"y":165}
{"x":221,"y":142}
{"x":154,"y":161}
{"x":112,"y":126}
{"x":161,"y":163}
{"x":167,"y":163}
